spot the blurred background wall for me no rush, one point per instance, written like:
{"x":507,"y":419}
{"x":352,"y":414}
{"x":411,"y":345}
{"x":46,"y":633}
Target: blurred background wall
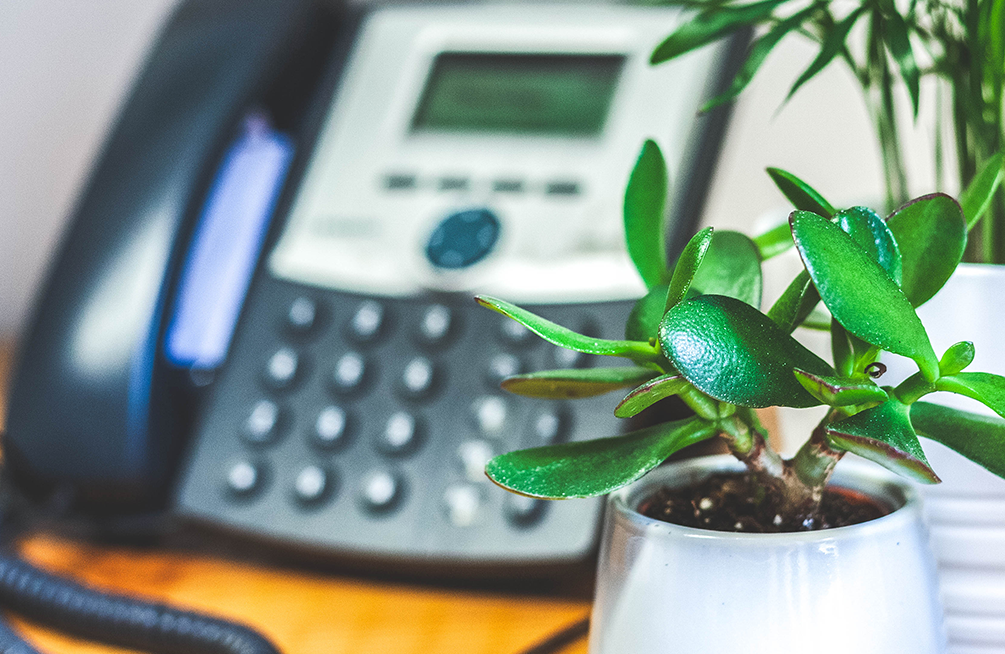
{"x":65,"y":66}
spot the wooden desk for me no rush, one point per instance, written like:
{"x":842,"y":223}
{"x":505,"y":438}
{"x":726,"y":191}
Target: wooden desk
{"x":304,"y":612}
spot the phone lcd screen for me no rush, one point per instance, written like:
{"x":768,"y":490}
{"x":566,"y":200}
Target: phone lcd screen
{"x":538,"y":94}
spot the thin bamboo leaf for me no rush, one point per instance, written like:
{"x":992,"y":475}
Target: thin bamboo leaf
{"x":832,"y":46}
{"x":898,"y":42}
{"x":577,"y":383}
{"x":976,"y":198}
{"x":711,"y":25}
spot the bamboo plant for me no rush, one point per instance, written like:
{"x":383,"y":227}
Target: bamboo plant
{"x":699,"y":334}
{"x":961,"y":43}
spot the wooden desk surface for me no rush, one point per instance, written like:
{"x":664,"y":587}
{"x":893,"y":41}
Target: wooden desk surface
{"x":303,"y":612}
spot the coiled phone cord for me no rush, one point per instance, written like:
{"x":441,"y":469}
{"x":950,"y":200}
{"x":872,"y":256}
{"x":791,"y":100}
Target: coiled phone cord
{"x":114,"y":619}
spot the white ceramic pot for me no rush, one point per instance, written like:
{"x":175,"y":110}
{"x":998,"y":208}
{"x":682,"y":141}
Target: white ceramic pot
{"x":966,"y":513}
{"x":869,"y":588}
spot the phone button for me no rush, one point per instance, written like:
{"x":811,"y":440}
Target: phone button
{"x":381,"y":490}
{"x":436,"y":325}
{"x":350,"y":373}
{"x":262,"y":425}
{"x":490,"y":412}
{"x":282,"y":367}
{"x":243,"y":478}
{"x":418,"y":378}
{"x":312,"y":484}
{"x":368,"y":321}
{"x":549,"y":426}
{"x":302,"y":315}
{"x":331,"y":427}
{"x":501,"y":366}
{"x":462,"y":504}
{"x":514,"y":333}
{"x":400,"y":435}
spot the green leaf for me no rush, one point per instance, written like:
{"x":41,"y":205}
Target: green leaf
{"x":976,"y":199}
{"x":833,"y":44}
{"x":835,"y":391}
{"x":650,"y":393}
{"x":687,"y":265}
{"x":986,"y":388}
{"x":732,"y":352}
{"x":711,"y":25}
{"x":796,"y":302}
{"x":774,"y":241}
{"x":899,"y":43}
{"x":597,"y":467}
{"x":757,"y":54}
{"x":644,"y":318}
{"x":872,"y":235}
{"x":956,"y":358}
{"x":635,"y":350}
{"x":859,"y":293}
{"x":884,"y":434}
{"x":802,"y":196}
{"x":731,"y":266}
{"x":645,"y":202}
{"x":932,"y":234}
{"x":577,"y":383}
{"x":979,"y":438}
{"x":841,"y":350}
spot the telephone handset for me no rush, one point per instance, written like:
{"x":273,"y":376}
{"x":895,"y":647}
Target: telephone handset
{"x":260,"y":318}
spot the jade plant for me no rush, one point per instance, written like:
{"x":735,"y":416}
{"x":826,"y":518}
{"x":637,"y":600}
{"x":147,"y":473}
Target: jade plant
{"x":698,"y":334}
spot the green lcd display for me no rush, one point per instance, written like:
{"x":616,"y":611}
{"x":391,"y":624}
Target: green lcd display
{"x":544,"y":94}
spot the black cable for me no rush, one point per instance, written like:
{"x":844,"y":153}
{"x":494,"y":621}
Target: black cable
{"x":561,"y":639}
{"x":115,"y":619}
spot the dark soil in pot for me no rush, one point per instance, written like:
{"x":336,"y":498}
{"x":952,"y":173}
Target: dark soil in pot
{"x":732,"y":502}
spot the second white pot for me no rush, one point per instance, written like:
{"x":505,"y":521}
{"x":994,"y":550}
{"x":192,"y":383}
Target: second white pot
{"x":869,"y":588}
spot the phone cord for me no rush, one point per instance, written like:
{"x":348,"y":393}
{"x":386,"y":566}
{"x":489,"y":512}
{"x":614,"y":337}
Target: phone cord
{"x":114,"y":619}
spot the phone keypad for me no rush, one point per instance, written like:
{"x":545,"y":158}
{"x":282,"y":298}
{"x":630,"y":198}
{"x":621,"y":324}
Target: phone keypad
{"x":377,"y":448}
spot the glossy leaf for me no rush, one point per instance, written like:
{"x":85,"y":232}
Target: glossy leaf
{"x":645,"y":202}
{"x":833,"y":44}
{"x":731,"y":266}
{"x":734,"y":353}
{"x":884,"y":434}
{"x":795,"y":304}
{"x":932,"y":234}
{"x":986,"y":388}
{"x":899,"y":44}
{"x":650,"y":393}
{"x":636,"y":350}
{"x":835,"y":391}
{"x":976,"y":198}
{"x":597,"y":467}
{"x":979,"y":438}
{"x":871,"y":234}
{"x":802,"y":196}
{"x":956,"y":358}
{"x":711,"y":25}
{"x":859,"y":293}
{"x":758,"y":52}
{"x":841,"y":350}
{"x":644,"y":318}
{"x":687,"y":265}
{"x":577,"y":383}
{"x":774,"y":241}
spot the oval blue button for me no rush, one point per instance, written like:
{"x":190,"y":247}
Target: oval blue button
{"x":463,"y":238}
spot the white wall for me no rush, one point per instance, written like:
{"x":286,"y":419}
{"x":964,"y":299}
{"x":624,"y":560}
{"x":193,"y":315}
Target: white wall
{"x":65,"y":64}
{"x":64,"y":67}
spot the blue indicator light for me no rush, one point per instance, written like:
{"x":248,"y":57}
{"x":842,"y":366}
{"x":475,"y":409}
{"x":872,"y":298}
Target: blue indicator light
{"x":226,"y":245}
